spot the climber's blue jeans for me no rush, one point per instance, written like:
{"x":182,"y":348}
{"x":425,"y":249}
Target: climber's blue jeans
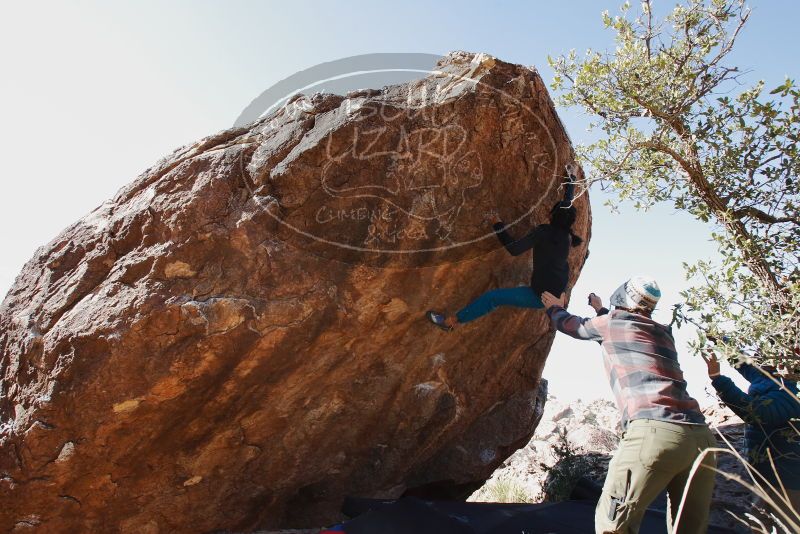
{"x":521,"y":297}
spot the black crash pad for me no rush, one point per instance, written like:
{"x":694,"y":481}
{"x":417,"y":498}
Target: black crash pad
{"x":415,"y":516}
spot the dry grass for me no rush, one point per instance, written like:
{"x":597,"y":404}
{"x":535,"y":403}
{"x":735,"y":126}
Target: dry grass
{"x":505,"y":490}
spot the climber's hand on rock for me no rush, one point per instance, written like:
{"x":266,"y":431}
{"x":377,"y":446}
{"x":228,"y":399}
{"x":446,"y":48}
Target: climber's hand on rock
{"x":595,"y":302}
{"x":712,"y":363}
{"x":549,"y":300}
{"x":492,"y":217}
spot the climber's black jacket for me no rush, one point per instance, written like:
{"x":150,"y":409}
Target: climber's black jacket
{"x":550,"y":250}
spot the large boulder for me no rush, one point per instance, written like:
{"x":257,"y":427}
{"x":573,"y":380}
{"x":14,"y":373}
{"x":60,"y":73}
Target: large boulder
{"x":236,"y":340}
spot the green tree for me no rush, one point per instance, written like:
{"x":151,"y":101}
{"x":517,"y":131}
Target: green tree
{"x":678,"y":126}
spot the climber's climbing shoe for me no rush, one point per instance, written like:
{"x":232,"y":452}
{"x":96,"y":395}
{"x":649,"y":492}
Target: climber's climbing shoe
{"x":438,"y":319}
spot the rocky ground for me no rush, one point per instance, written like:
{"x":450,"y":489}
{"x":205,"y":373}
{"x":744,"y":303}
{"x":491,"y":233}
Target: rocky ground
{"x":577,"y":439}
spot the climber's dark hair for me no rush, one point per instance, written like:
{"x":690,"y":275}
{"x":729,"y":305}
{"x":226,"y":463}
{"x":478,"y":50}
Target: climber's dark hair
{"x":563,"y":216}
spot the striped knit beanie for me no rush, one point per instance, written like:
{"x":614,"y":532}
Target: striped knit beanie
{"x":638,"y":292}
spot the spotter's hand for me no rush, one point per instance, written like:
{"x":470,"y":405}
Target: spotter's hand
{"x":595,"y":302}
{"x":712,"y":363}
{"x":549,"y":300}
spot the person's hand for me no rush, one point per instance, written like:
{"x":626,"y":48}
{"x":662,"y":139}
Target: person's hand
{"x":549,"y":300}
{"x":595,"y":302}
{"x":712,"y":363}
{"x":492,"y":217}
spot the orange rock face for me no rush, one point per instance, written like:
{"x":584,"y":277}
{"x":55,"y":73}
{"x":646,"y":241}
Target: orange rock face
{"x":237,"y":341}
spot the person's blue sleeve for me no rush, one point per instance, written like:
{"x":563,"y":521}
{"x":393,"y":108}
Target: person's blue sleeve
{"x":515,"y":247}
{"x":749,"y":372}
{"x":774,"y":408}
{"x":733,"y":397}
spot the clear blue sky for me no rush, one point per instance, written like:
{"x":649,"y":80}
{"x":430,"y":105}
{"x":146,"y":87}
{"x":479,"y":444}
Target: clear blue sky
{"x":93,"y":93}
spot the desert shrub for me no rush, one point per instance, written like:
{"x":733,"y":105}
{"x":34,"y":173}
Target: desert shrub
{"x":565,"y":473}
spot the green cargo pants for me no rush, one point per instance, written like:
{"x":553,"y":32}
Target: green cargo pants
{"x":654,"y":455}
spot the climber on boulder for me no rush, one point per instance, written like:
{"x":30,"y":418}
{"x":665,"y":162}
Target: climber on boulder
{"x":550,"y":244}
{"x":664,"y":430}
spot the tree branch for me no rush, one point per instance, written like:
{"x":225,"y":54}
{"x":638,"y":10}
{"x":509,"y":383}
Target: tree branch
{"x":755,"y":213}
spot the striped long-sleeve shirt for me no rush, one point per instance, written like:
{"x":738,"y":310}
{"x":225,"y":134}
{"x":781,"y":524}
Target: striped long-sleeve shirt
{"x":641,"y":364}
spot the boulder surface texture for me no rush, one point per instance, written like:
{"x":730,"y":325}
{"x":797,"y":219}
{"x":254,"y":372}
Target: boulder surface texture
{"x":237,"y":339}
